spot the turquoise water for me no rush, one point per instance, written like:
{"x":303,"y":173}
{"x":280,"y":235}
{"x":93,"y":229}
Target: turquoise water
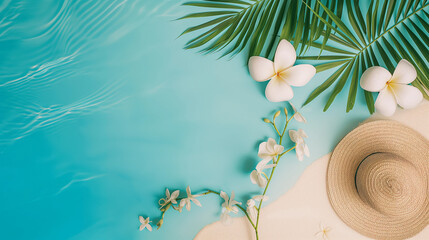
{"x":102,"y":109}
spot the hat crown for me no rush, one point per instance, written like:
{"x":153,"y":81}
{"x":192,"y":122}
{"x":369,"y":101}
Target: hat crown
{"x":378,"y":180}
{"x":389,"y":184}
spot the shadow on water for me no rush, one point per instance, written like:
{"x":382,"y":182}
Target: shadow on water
{"x":248,"y":163}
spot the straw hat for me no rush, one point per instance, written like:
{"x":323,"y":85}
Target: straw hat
{"x":378,"y":180}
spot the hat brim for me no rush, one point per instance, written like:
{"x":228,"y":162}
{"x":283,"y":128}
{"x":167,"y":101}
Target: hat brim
{"x":369,"y":138}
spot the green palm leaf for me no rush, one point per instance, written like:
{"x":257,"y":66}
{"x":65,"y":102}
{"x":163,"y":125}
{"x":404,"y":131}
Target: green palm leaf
{"x":383,"y":34}
{"x":234,"y":25}
{"x":384,"y":39}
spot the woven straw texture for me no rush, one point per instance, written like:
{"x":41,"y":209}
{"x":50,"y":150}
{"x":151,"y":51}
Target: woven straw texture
{"x":378,"y":180}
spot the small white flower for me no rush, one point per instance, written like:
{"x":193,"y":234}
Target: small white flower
{"x":145,"y":223}
{"x":251,"y":208}
{"x":169,"y":198}
{"x":301,"y":147}
{"x":298,"y":116}
{"x":281,"y":72}
{"x":258,"y":176}
{"x":260,"y":198}
{"x":269,"y":149}
{"x":187,"y":201}
{"x":323,"y":233}
{"x":393,"y":89}
{"x":227,"y":207}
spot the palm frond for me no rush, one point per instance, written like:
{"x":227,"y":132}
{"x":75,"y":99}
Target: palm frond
{"x":389,"y":33}
{"x":385,"y":33}
{"x":234,"y":25}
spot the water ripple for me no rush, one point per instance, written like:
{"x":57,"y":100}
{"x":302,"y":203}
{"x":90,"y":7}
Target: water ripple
{"x":42,"y":73}
{"x":9,"y":11}
{"x":39,"y":50}
{"x":73,"y":181}
{"x":32,"y":116}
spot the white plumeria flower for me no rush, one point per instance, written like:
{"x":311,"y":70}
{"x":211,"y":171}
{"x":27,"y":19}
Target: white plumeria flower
{"x":393,"y":89}
{"x":301,"y":147}
{"x":169,"y":198}
{"x":227,"y":207}
{"x":258,"y":176}
{"x":251,"y":208}
{"x":269,"y":149}
{"x":323,"y":232}
{"x":145,"y":223}
{"x":281,"y":72}
{"x":187,"y":201}
{"x":298,"y":116}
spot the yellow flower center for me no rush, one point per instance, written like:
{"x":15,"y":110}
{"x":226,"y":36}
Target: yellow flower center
{"x":391,"y":80}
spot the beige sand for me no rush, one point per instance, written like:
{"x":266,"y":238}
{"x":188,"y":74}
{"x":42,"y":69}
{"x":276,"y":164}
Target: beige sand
{"x":297,"y":214}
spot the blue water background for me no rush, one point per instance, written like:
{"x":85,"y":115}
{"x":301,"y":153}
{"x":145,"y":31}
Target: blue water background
{"x":102,"y":109}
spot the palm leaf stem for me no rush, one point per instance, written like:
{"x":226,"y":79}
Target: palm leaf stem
{"x":391,"y":28}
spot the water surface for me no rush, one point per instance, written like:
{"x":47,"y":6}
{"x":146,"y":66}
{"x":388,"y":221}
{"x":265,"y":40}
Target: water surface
{"x":102,"y":109}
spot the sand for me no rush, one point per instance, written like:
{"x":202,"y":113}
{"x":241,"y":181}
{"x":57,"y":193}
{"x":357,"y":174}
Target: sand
{"x":299,"y":213}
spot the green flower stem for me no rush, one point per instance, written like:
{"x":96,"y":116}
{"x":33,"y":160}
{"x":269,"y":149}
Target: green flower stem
{"x":265,"y":191}
{"x":164,"y":209}
{"x":272,"y":171}
{"x":275,"y":127}
{"x":255,"y":226}
{"x":247,"y":215}
{"x":284,"y":130}
{"x":265,"y":175}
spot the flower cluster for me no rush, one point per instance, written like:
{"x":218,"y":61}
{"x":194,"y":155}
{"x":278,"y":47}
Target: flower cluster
{"x":270,"y":153}
{"x":173,"y":200}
